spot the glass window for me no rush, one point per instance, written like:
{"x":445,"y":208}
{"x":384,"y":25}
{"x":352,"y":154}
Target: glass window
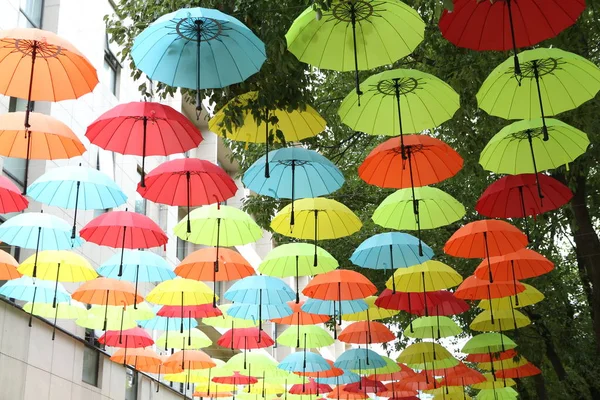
{"x":112,"y":69}
{"x":31,"y":13}
{"x":181,"y":249}
{"x":140,"y":202}
{"x":91,"y":363}
{"x":131,"y":385}
{"x":274,"y":333}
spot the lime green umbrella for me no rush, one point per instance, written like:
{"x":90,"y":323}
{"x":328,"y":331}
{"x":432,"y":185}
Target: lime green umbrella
{"x":503,"y":393}
{"x":296,"y":259}
{"x":519,"y":148}
{"x":355,"y":35}
{"x":491,"y":382}
{"x":226,"y":321}
{"x":526,"y":298}
{"x":194,"y":339}
{"x":256,"y":364}
{"x":390,"y":367}
{"x":399,"y":101}
{"x":418,"y":208}
{"x":67,"y":310}
{"x":427,"y":356}
{"x":434,"y":327}
{"x":309,"y":336}
{"x":503,"y":320}
{"x":551,"y":81}
{"x":490,"y":342}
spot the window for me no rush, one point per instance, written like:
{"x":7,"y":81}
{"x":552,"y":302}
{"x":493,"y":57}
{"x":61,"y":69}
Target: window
{"x":12,"y":250}
{"x":181,"y":249}
{"x":274,"y":333}
{"x":31,"y":13}
{"x":140,"y":202}
{"x":131,"y":384}
{"x":91,"y":364}
{"x":14,"y":168}
{"x":112,"y":68}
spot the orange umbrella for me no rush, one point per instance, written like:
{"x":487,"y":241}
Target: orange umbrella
{"x":460,"y":375}
{"x":404,"y":373}
{"x":299,"y":317}
{"x":338,"y":393}
{"x":419,"y":381}
{"x":366,"y":332}
{"x":393,"y":391}
{"x":520,"y":372}
{"x":8,"y":267}
{"x":46,"y":138}
{"x":190,"y":359}
{"x":485,"y":239}
{"x":426,"y":160}
{"x":338,"y":285}
{"x":330,"y":373}
{"x":142,"y":359}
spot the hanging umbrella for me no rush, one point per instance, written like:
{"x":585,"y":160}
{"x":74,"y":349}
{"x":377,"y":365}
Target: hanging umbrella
{"x":257,"y":364}
{"x":488,"y":343}
{"x":346,"y":377}
{"x":66,"y":310}
{"x":259,"y":312}
{"x":137,"y":266}
{"x":359,"y":359}
{"x":507,"y":25}
{"x":523,"y":140}
{"x":226,"y":321}
{"x":129,"y":338}
{"x":188,"y":182}
{"x":332,"y":372}
{"x":45,"y":138}
{"x":420,"y":381}
{"x":117,"y":318}
{"x":245,"y":339}
{"x":492,"y":382}
{"x":425,"y":161}
{"x":198,"y":48}
{"x":299,"y":318}
{"x":34,"y":291}
{"x":422,"y":208}
{"x":447,"y":304}
{"x":528,"y":297}
{"x":309,"y":336}
{"x":304,"y":362}
{"x":79,"y":188}
{"x":11,"y":199}
{"x":366,"y":385}
{"x":334,"y":308}
{"x":310,"y":388}
{"x":551,"y":81}
{"x":379,"y":374}
{"x":195,"y":311}
{"x":502,"y":364}
{"x":200,"y":265}
{"x":201,"y":376}
{"x":485,"y":239}
{"x":516,"y":196}
{"x":382,"y":33}
{"x":503,"y":320}
{"x":407,"y":301}
{"x":393,"y":389}
{"x":372,"y":313}
{"x":312,"y":175}
{"x":339,"y":393}
{"x":193,"y":339}
{"x":401,"y":373}
{"x":236,"y":379}
{"x":503,"y":393}
{"x":259,"y":289}
{"x":8,"y":267}
{"x":435,"y":327}
{"x":366,"y":332}
{"x":296,"y":259}
{"x":398,"y":101}
{"x":145,"y":360}
{"x":336,"y":221}
{"x":460,"y":375}
{"x":523,"y":371}
{"x":169,"y":325}
{"x":427,"y":356}
{"x":190,"y":359}
{"x":389,"y":251}
{"x":487,"y":357}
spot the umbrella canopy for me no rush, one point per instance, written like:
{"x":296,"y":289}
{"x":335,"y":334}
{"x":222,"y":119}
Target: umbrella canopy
{"x":66,"y":310}
{"x":359,"y":359}
{"x":427,"y":356}
{"x":393,"y":389}
{"x":434,"y":275}
{"x":339,"y":393}
{"x":58,"y":265}
{"x":11,"y":199}
{"x":195,"y":311}
{"x":487,"y":357}
{"x":145,"y":360}
{"x":492,"y":382}
{"x":474,"y":288}
{"x":245,"y":339}
{"x":398,"y":101}
{"x":488,"y":343}
{"x":200,"y":265}
{"x":77,"y":188}
{"x":402,"y":373}
{"x":300,"y":317}
{"x":8,"y":267}
{"x":130,"y":338}
{"x":366,"y":385}
{"x":190,"y":359}
{"x":425,"y":161}
{"x":366,"y":332}
{"x":259,"y":289}
{"x":333,"y":307}
{"x":180,"y":291}
{"x":226,"y":321}
{"x":445,"y":304}
{"x":330,"y":373}
{"x":433,"y":328}
{"x":310,"y":388}
{"x":236,"y":379}
{"x":502,"y":320}
{"x":317,"y":219}
{"x":117,"y":318}
{"x":461,"y":375}
{"x":259,"y":312}
{"x":304,"y":362}
{"x":410,"y":302}
{"x":168,"y":324}
{"x":374,"y":312}
{"x":390,"y":367}
{"x":257,"y":364}
{"x":192,"y":339}
{"x":419,"y":381}
{"x":525,"y":298}
{"x":322,"y":38}
{"x":308,"y":336}
{"x":345,"y":378}
{"x":503,"y":393}
{"x":519,"y":372}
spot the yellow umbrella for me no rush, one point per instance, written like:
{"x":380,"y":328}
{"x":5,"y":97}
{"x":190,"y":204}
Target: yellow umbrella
{"x":445,"y":390}
{"x":226,"y":321}
{"x":493,"y":383}
{"x":316,"y":219}
{"x":265,"y":389}
{"x":194,"y":339}
{"x":427,"y":356}
{"x":502,"y":365}
{"x":503,"y":320}
{"x":97,"y":322}
{"x":143,"y":312}
{"x":271,"y":126}
{"x":528,"y":297}
{"x":199,"y":375}
{"x":372,"y":313}
{"x":70,"y":310}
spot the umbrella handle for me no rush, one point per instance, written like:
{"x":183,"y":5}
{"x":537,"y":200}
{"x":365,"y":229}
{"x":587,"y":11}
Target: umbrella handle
{"x":315,"y":261}
{"x":199,"y":22}
{"x":37,"y":248}
{"x":189,"y":223}
{"x":32,"y":306}
{"x":143,"y":171}
{"x":182,"y":315}
{"x":137,"y":276}
{"x":514,"y":42}
{"x":54,"y":325}
{"x":353,"y":21}
{"x":536,"y":74}
{"x":267,"y":170}
{"x":292,"y":217}
{"x":392,"y":269}
{"x":56,"y":285}
{"x":297,"y":283}
{"x":487,"y":256}
{"x":122,"y":252}
{"x":397,"y":95}
{"x":73,"y":235}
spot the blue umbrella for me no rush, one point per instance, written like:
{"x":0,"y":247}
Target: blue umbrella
{"x":259,"y":312}
{"x":345,"y":378}
{"x":260,"y":289}
{"x":138,"y":266}
{"x":167,"y":324}
{"x":359,"y":359}
{"x":390,"y":250}
{"x":77,"y":188}
{"x":294,"y":173}
{"x":331,"y":307}
{"x":304,"y":362}
{"x":198,"y":48}
{"x":31,"y":290}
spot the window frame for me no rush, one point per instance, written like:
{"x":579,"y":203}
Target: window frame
{"x":29,"y":18}
{"x":111,"y":60}
{"x":134,"y":389}
{"x":91,"y":351}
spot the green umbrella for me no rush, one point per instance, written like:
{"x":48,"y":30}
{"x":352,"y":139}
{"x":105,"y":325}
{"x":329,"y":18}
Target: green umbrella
{"x":490,"y":342}
{"x":427,"y":356}
{"x":434,"y":327}
{"x":226,"y":321}
{"x":398,"y":101}
{"x":526,"y":298}
{"x":296,"y":259}
{"x":391,"y":366}
{"x":551,"y":81}
{"x":355,"y":35}
{"x":419,"y":208}
{"x":311,"y":337}
{"x":503,"y":393}
{"x":195,"y":339}
{"x":503,"y":320}
{"x":519,"y":148}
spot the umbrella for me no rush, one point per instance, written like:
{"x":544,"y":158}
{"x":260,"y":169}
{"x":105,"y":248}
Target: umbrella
{"x":366,"y":385}
{"x":420,"y":208}
{"x":503,"y":320}
{"x":245,"y":339}
{"x":336,"y":221}
{"x":373,"y":312}
{"x":296,"y":259}
{"x":460,"y":375}
{"x":145,"y":360}
{"x":257,"y":364}
{"x":366,"y":332}
{"x":346,"y":377}
{"x":44,"y":138}
{"x":312,"y":175}
{"x":79,"y":188}
{"x":502,"y":364}
{"x":551,"y":81}
{"x":503,"y":393}
{"x":334,"y":308}
{"x":332,"y":372}
{"x":382,"y":33}
{"x":8,"y":267}
{"x":168,"y":324}
{"x":389,"y":251}
{"x":226,"y":321}
{"x":516,"y":196}
{"x":491,"y":382}
{"x":125,"y":230}
{"x":289,"y":125}
{"x":485,"y":239}
{"x":188,"y":182}
{"x":66,"y":310}
{"x":222,"y":49}
{"x":407,"y":301}
{"x":419,"y":381}
{"x":487,"y":357}
{"x":311,"y":388}
{"x":195,"y":338}
{"x":117,"y":318}
{"x":304,"y":362}
{"x":200,"y":265}
{"x":195,"y":311}
{"x":259,"y":290}
{"x":435,"y":327}
{"x":339,"y":393}
{"x":190,"y":359}
{"x":525,"y":298}
{"x":488,"y":343}
{"x":11,"y":199}
{"x":137,"y":266}
{"x":130,"y":338}
{"x":446,"y":304}
{"x":519,"y":372}
{"x":310,"y":336}
{"x":523,"y":140}
{"x":485,"y":26}
{"x":398,"y":101}
{"x":427,"y":356}
{"x":299,"y":317}
{"x":236,"y":379}
{"x":34,"y":290}
{"x":393,"y":390}
{"x":359,"y":359}
{"x":259,"y":312}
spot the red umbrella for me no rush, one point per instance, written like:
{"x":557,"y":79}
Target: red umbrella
{"x":366,"y":385}
{"x":490,"y":357}
{"x":460,"y":375}
{"x":124,"y":230}
{"x":245,"y":339}
{"x":507,"y":25}
{"x":129,"y":338}
{"x":520,"y":372}
{"x":144,"y":129}
{"x":402,"y":301}
{"x":447,"y":305}
{"x":419,"y":381}
{"x":311,"y":388}
{"x":187,"y":182}
{"x":519,"y":196}
{"x":11,"y":199}
{"x":330,"y":373}
{"x":404,"y":373}
{"x":235,"y":379}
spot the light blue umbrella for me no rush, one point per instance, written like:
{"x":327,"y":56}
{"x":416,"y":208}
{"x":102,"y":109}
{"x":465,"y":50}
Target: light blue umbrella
{"x":138,"y":266}
{"x":295,"y":173}
{"x":256,"y":312}
{"x":260,"y":289}
{"x":31,"y":290}
{"x":389,"y":251}
{"x":167,"y":324}
{"x":79,"y":188}
{"x":345,"y":378}
{"x":304,"y":362}
{"x":331,"y":307}
{"x":359,"y":359}
{"x":198,"y":48}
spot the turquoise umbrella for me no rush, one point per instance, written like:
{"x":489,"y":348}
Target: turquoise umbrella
{"x":295,"y":173}
{"x":345,"y":378}
{"x":331,"y":307}
{"x":259,"y":312}
{"x":167,"y":324}
{"x":359,"y":359}
{"x":138,"y":266}
{"x":389,"y":251}
{"x":32,"y":290}
{"x":198,"y":48}
{"x":260,"y":289}
{"x":304,"y":362}
{"x":38,"y":231}
{"x":79,"y":188}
